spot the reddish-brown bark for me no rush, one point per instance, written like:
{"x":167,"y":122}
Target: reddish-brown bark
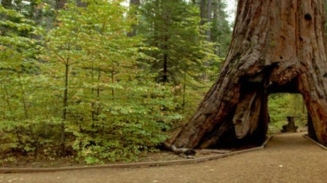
{"x":277,"y":46}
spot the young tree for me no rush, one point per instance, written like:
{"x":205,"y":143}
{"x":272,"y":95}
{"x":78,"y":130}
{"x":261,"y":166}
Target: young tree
{"x":277,"y":46}
{"x":62,"y":47}
{"x":110,"y":110}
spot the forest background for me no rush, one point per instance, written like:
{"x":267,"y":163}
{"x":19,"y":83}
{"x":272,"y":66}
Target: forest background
{"x":101,"y":81}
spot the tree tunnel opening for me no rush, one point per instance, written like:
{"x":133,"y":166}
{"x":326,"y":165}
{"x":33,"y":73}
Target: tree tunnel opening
{"x":273,"y":107}
{"x":286,"y":105}
{"x":282,"y":108}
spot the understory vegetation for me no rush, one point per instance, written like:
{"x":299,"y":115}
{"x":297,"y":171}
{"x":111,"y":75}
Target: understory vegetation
{"x":281,"y":106}
{"x":104,"y":82}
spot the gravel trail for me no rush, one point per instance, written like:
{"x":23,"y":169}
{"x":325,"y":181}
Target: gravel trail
{"x":287,"y":158}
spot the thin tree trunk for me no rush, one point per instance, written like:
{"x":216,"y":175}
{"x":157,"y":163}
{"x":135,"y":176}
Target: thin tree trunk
{"x":216,"y":19}
{"x":209,"y":18}
{"x":165,"y":78}
{"x":80,"y":3}
{"x":60,"y":4}
{"x":97,"y":111}
{"x":64,"y":110}
{"x":6,"y":3}
{"x":277,"y":46}
{"x":203,"y":10}
{"x":136,"y":4}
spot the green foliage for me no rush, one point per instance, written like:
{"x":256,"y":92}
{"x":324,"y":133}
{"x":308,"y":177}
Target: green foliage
{"x":220,"y":29}
{"x":128,"y":125}
{"x":173,"y":28}
{"x":283,"y":105}
{"x":118,"y":111}
{"x":87,"y":89}
{"x":181,"y":50}
{"x":17,"y":62}
{"x":29,"y":136}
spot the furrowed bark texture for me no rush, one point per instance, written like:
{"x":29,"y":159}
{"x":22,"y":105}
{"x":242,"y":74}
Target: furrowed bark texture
{"x":277,"y":46}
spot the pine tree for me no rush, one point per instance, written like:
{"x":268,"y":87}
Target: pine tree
{"x":220,"y":29}
{"x":172,"y":27}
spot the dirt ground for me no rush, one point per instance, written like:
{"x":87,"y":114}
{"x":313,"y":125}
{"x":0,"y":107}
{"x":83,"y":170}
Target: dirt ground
{"x":287,"y":158}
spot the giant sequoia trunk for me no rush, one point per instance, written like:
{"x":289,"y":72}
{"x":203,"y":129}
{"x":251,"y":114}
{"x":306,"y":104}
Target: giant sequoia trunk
{"x":277,"y":46}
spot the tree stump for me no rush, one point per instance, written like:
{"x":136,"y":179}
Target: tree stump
{"x":290,"y":127}
{"x":277,"y":46}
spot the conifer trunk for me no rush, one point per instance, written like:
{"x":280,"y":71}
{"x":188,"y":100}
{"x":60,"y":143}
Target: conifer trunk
{"x":60,"y":4}
{"x":277,"y":46}
{"x":6,"y":3}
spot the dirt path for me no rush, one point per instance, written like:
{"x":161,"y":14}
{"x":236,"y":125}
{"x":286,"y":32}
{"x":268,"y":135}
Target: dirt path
{"x":287,"y":158}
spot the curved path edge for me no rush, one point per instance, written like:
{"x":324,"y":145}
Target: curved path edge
{"x":135,"y":165}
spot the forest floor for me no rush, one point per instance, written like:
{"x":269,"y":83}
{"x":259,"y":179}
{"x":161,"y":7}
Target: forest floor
{"x":287,"y":158}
